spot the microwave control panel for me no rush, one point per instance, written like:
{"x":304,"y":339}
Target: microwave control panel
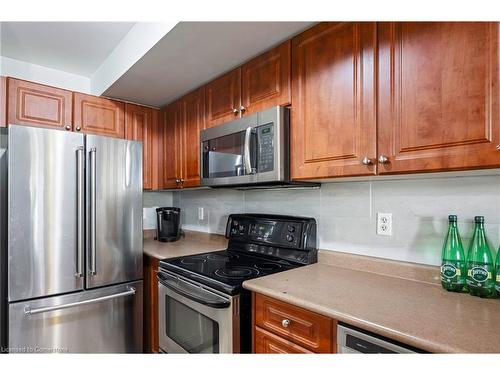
{"x":265,"y":138}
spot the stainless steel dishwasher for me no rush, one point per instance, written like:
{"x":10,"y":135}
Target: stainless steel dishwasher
{"x":351,"y":340}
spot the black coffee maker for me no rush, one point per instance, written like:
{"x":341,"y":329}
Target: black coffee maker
{"x":168,"y":227}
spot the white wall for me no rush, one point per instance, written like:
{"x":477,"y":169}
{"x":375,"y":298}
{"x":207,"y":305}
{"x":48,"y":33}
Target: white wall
{"x":41,"y":74}
{"x":346,"y":212}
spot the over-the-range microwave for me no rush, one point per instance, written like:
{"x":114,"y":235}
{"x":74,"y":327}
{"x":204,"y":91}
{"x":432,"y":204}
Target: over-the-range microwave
{"x":250,"y":152}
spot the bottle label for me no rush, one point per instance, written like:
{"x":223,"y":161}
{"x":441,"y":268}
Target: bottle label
{"x":451,"y":272}
{"x":480,"y":275}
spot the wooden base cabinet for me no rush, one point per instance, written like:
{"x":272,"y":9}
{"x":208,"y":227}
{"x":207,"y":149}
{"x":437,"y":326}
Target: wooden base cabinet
{"x":279,"y":327}
{"x":151,"y":338}
{"x":438,"y":96}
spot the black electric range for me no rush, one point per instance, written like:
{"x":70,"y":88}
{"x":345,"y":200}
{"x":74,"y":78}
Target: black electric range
{"x":259,"y":245}
{"x":205,"y":286}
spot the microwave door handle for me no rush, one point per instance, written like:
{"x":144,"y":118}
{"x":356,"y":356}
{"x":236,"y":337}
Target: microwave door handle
{"x":247,"y":159}
{"x":218,"y":303}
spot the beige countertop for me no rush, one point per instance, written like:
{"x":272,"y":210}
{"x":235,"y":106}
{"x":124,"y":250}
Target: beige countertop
{"x":413,"y":312}
{"x":192,"y":243}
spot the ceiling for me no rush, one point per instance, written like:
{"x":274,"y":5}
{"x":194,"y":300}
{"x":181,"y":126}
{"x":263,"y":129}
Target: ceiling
{"x":193,"y":53}
{"x":73,"y":47}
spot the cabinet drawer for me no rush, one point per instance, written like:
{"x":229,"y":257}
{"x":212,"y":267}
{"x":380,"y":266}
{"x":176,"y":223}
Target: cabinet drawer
{"x":267,"y":343}
{"x":303,"y":327}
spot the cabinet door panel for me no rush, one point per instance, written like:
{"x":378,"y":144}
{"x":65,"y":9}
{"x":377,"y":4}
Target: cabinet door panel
{"x":267,"y":343}
{"x":100,"y":116}
{"x":171,"y":146}
{"x":139,"y":127}
{"x":265,"y":80}
{"x":333,"y":94}
{"x":192,"y":108}
{"x":438,"y":96}
{"x":223,"y":96}
{"x":38,"y":105}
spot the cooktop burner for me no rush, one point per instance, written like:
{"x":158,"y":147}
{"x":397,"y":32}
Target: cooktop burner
{"x":225,"y":270}
{"x":236,"y":272}
{"x":192,"y":260}
{"x":268,"y":266}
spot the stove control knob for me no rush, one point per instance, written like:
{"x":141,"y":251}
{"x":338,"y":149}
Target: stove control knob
{"x":235,"y":223}
{"x":291,"y":228}
{"x":289,"y":238}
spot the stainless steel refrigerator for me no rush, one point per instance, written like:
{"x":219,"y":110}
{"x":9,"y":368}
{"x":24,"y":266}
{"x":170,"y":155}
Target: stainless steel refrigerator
{"x":70,"y":241}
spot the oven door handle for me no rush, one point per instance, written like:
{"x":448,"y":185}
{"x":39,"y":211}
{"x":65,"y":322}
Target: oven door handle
{"x":212,"y":301}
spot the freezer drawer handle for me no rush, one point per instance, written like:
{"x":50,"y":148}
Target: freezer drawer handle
{"x":28,"y":311}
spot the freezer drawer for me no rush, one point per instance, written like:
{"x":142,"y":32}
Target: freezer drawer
{"x":104,"y":320}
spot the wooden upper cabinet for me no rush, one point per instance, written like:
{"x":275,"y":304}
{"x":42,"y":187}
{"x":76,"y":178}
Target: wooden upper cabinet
{"x":101,"y":116}
{"x":438,"y":96}
{"x":265,"y":80}
{"x":3,"y":102}
{"x":333,"y":125}
{"x":223,"y":98}
{"x":39,"y":105}
{"x":171,"y":146}
{"x":192,"y":121}
{"x":140,"y":125}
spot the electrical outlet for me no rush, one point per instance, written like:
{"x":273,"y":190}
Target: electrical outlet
{"x":201,"y":214}
{"x":384,"y":224}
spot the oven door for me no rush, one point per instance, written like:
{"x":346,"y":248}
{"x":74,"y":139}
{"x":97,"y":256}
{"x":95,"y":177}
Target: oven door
{"x":195,"y":319}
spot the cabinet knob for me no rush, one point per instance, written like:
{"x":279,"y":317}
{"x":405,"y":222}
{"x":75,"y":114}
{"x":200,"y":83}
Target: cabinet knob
{"x":366,"y":161}
{"x":178,"y":181}
{"x":182,"y":180}
{"x":67,"y":127}
{"x":498,"y":147}
{"x":235,"y":111}
{"x":285,"y":323}
{"x":78,"y":128}
{"x":382,"y":159}
{"x":242,"y":109}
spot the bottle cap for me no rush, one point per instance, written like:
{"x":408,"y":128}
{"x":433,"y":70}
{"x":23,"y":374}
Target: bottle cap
{"x":479,"y":219}
{"x":452,"y":218}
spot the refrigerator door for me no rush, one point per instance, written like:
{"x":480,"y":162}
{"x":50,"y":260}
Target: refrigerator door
{"x":45,"y":225}
{"x":105,"y":320}
{"x":114,"y":211}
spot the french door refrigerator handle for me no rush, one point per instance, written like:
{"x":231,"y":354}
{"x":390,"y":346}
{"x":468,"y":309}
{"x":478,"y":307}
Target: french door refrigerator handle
{"x":29,"y":311}
{"x":93,"y":191}
{"x":80,"y":210}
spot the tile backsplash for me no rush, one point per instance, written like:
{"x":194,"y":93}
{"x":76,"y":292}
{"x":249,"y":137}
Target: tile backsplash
{"x":346,"y":212}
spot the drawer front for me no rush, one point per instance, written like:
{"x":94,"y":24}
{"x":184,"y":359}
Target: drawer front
{"x":303,"y":327}
{"x":267,"y":343}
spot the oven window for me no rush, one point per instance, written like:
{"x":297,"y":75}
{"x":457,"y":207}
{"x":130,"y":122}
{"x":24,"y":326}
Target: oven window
{"x":191,"y":330}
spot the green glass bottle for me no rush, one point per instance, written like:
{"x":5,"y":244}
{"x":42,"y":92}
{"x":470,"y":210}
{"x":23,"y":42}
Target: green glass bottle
{"x":480,"y":269}
{"x":497,"y":266}
{"x":453,"y":266}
